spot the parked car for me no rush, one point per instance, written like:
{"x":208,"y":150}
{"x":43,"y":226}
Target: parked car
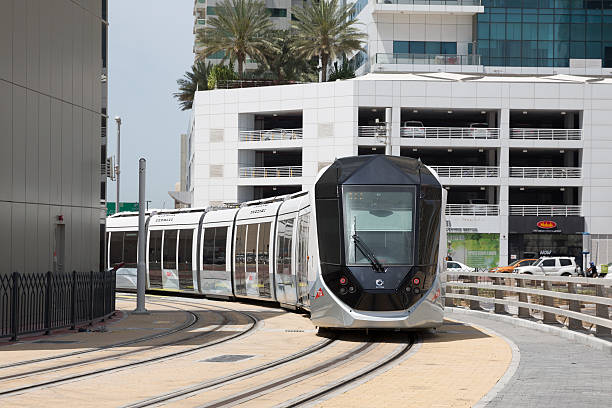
{"x":554,"y":266}
{"x":516,"y":264}
{"x":415,"y":128}
{"x":479,"y":130}
{"x":454,"y":266}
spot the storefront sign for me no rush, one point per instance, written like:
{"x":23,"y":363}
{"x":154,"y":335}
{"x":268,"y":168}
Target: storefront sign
{"x":548,"y":225}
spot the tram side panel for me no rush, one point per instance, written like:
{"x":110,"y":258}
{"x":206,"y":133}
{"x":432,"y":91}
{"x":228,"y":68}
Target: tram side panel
{"x":215,"y":250}
{"x":284,"y":278}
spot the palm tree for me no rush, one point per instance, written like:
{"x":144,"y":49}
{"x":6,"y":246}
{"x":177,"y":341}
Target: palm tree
{"x":280,"y":63}
{"x":325,"y":29}
{"x":196,"y":79}
{"x":239,"y":30}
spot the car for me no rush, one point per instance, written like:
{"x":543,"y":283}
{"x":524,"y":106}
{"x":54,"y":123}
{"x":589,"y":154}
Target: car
{"x":454,"y":266}
{"x":413,"y":128}
{"x":479,"y":130}
{"x":553,"y":266}
{"x":510,"y":268}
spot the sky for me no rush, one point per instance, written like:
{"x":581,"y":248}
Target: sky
{"x":150,"y":47}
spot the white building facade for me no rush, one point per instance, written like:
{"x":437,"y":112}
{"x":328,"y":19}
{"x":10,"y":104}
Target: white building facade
{"x":526,"y":159}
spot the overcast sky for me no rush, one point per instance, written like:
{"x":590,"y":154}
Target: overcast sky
{"x":150,"y":47}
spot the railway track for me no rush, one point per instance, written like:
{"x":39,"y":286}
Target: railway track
{"x":252,"y":325}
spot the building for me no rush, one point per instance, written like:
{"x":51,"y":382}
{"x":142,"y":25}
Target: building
{"x":510,"y":103}
{"x":512,"y":150}
{"x":180,"y":195}
{"x":490,"y":36}
{"x":53,"y":99}
{"x":280,"y":15}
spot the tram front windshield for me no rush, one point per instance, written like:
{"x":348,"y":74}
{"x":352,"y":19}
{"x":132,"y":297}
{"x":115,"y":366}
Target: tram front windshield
{"x":382,"y":218}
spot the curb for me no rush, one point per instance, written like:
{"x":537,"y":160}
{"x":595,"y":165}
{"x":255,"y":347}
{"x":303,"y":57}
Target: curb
{"x":588,"y":340}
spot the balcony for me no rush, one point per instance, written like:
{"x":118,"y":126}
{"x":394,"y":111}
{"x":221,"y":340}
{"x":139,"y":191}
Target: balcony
{"x":428,"y":59}
{"x":546,"y":172}
{"x":449,"y":133}
{"x":545,"y":210}
{"x":546,"y":134}
{"x":472,"y":209}
{"x":469,"y":7}
{"x":270,"y":135}
{"x":466,"y":171}
{"x":268,"y":172}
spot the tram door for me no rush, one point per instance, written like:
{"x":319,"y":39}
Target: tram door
{"x":169,"y":271}
{"x":155,"y":256}
{"x":285,"y":279}
{"x":184,"y":259}
{"x":302,"y":259}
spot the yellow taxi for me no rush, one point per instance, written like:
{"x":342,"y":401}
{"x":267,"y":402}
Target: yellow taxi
{"x":515,"y":264}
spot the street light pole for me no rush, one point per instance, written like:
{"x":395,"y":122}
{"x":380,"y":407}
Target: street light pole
{"x":118,"y":165}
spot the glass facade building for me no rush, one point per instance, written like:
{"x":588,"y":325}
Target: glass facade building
{"x":544,"y":33}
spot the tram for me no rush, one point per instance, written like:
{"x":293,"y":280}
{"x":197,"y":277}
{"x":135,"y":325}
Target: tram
{"x":364,"y":248}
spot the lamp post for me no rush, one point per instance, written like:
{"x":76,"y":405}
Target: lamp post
{"x":118,"y":165}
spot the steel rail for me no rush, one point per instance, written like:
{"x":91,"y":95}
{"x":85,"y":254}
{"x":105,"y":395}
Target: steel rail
{"x":157,"y":359}
{"x":371,"y":369}
{"x":276,"y":384}
{"x":196,"y":388}
{"x":189,"y":321}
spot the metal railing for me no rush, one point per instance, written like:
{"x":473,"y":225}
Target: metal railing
{"x":272,"y":134}
{"x":372,"y":131}
{"x":428,"y":59}
{"x":449,"y":133}
{"x":284,"y":171}
{"x":41,"y":302}
{"x":432,"y":2}
{"x":545,"y":210}
{"x":579,"y":303}
{"x":466,"y":171}
{"x":546,"y":134}
{"x":251,"y":83}
{"x":472,"y":209}
{"x":546,"y":172}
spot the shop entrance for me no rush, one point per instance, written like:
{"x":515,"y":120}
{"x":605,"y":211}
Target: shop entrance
{"x":537,"y":245}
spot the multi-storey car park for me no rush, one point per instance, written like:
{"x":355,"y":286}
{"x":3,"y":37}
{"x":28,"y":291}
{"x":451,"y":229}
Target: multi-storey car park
{"x":515,"y":140}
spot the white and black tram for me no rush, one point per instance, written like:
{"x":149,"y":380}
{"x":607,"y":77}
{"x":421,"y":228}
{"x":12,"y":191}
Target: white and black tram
{"x":363,"y":248}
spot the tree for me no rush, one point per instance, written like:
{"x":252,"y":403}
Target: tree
{"x":196,"y":79}
{"x":345,"y":71}
{"x":221,"y":72}
{"x":239,"y":30}
{"x":279,"y":62}
{"x":326,"y":29}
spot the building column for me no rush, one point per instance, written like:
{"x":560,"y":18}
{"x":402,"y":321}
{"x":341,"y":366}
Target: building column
{"x":504,"y":189}
{"x":395,"y":130}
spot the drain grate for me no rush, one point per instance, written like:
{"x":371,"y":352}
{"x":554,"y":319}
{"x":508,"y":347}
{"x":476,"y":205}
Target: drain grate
{"x":228,"y":358}
{"x":294,"y":331}
{"x":56,"y":341}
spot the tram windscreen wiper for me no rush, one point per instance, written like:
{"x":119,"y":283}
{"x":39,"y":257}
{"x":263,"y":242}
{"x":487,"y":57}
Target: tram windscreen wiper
{"x":376,"y":265}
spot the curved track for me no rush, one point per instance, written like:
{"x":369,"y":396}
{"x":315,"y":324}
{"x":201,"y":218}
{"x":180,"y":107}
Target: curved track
{"x":30,"y":387}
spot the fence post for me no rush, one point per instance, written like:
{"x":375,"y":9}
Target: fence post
{"x":522,"y":311}
{"x":15,"y":306}
{"x":548,"y":301}
{"x":601,"y":311}
{"x":73,"y":301}
{"x":48,"y":304}
{"x":104,"y":302}
{"x":574,"y":306}
{"x":499,"y":294}
{"x":91,"y":297}
{"x":474,"y":304}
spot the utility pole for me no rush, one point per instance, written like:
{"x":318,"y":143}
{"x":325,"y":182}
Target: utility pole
{"x":140,"y":266}
{"x":118,"y":165}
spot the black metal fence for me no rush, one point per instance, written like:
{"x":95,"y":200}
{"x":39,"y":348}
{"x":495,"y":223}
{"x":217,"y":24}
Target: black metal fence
{"x":41,"y":302}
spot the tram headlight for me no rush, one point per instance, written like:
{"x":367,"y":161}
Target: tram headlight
{"x":351,"y":289}
{"x":343,"y":290}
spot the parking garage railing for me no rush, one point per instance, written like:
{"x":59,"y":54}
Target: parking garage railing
{"x":472,"y":209}
{"x":449,"y":133}
{"x":264,"y":172}
{"x":545,"y":210}
{"x":546,"y":134}
{"x":466,"y":171}
{"x":432,"y":2}
{"x":578,"y":303}
{"x":269,"y":135}
{"x":372,"y":131}
{"x":546,"y":172}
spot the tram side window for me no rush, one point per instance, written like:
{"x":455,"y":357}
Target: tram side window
{"x":220,"y":246}
{"x":169,"y":261}
{"x":116,"y":248}
{"x":155,"y":239}
{"x":130,"y":249}
{"x":185,"y":250}
{"x":285,"y":232}
{"x":263,"y":248}
{"x":240,"y":239}
{"x":208,"y":250}
{"x":251,"y":247}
